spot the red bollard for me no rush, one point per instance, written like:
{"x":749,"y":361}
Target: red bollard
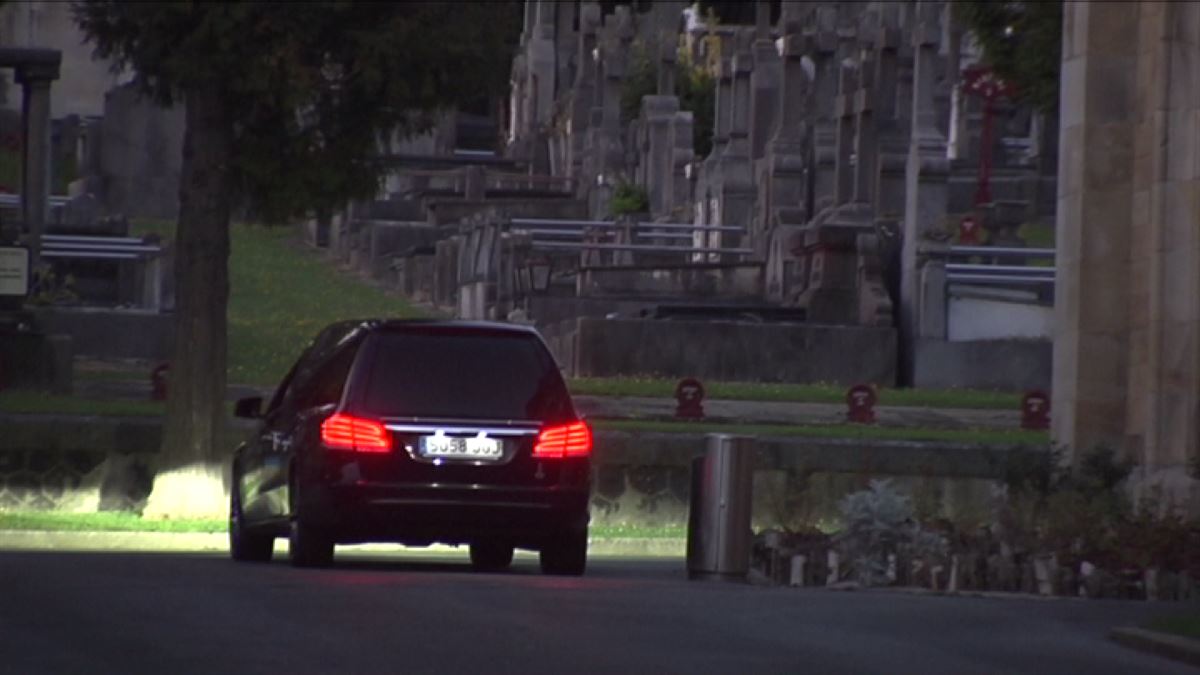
{"x":861,"y":402}
{"x":689,"y":394}
{"x":1035,"y":410}
{"x":158,"y":382}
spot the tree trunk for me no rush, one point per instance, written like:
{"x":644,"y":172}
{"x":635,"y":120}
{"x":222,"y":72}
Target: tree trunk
{"x":190,"y":480}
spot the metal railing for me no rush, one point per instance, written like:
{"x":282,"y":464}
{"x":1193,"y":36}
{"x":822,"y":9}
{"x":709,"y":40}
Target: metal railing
{"x":999,"y":273}
{"x":612,"y":224}
{"x":645,"y":248}
{"x":550,"y":234}
{"x":14,"y":200}
{"x":96,"y":248}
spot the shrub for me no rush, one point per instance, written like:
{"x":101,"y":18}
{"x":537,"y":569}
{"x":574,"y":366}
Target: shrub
{"x":878,"y":523}
{"x":629,"y":198}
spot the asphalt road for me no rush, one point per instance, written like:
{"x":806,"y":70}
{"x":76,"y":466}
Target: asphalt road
{"x":178,"y":613}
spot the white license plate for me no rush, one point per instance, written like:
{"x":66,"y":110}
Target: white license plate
{"x":470,"y":447}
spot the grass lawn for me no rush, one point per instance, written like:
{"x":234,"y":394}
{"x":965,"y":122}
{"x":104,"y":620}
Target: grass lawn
{"x":1184,"y":625}
{"x":802,"y":393}
{"x":122,"y":521}
{"x":108,"y":521}
{"x":280,"y":294}
{"x":32,"y":402}
{"x":851,"y":431}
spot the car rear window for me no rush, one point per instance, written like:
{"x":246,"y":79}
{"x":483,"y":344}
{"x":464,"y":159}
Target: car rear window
{"x":461,"y":374}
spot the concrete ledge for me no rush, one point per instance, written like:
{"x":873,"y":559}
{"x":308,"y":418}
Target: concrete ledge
{"x":218,"y":542}
{"x":726,"y":350}
{"x":111,"y":333}
{"x":1181,"y":649}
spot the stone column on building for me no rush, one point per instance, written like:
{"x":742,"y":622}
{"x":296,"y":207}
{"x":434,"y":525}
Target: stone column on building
{"x":926,"y":178}
{"x":1127,"y":340}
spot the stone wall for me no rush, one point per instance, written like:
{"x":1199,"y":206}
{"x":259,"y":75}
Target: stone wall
{"x":1025,"y":364}
{"x":111,"y":333}
{"x":727,"y":351}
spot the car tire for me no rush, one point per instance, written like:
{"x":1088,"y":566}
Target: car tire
{"x":245,"y":546}
{"x":488,"y":556}
{"x":565,"y":555}
{"x":308,"y":545}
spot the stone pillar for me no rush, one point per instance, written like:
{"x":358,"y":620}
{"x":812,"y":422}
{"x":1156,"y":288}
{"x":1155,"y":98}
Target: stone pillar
{"x":865,"y":143}
{"x":1127,"y":343}
{"x":35,"y":162}
{"x":843,"y":187}
{"x":584,"y":95}
{"x":666,"y":69}
{"x":724,"y":106}
{"x":658,"y":153}
{"x":892,"y":136}
{"x":822,"y":43}
{"x":1091,"y":347}
{"x":926,"y":178}
{"x":764,"y":102}
{"x":736,"y":178}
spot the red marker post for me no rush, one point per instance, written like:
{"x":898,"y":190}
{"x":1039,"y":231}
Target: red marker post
{"x":689,"y":394}
{"x":1035,"y":410}
{"x":860,"y":399}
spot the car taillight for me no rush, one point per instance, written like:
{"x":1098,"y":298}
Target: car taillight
{"x":346,"y":432}
{"x":567,"y":440}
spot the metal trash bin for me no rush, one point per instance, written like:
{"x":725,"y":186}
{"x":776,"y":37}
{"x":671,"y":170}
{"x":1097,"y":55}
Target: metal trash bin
{"x":719,"y":536}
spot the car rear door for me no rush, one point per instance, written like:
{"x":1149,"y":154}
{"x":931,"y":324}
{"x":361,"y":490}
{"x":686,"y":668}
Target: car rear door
{"x":464,"y":406}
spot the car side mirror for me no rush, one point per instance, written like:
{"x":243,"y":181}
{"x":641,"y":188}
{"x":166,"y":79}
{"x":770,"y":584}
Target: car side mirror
{"x":249,"y":407}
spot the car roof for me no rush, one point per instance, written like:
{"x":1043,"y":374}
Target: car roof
{"x":389,"y":325}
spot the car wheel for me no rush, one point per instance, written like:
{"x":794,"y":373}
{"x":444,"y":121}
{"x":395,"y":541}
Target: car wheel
{"x":308,"y":545}
{"x":245,"y":546}
{"x":565,"y":555}
{"x":488,"y":556}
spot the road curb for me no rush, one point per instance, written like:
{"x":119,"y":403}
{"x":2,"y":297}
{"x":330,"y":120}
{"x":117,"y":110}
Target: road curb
{"x":205,"y":542}
{"x":1175,"y":647}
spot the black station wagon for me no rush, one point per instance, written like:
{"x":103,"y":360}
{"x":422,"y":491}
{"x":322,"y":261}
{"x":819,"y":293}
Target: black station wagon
{"x":416,"y":432}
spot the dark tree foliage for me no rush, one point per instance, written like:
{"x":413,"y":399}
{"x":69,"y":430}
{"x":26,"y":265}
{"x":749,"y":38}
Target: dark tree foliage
{"x":311,"y":87}
{"x":286,"y":107}
{"x":738,"y":12}
{"x":1022,"y":42}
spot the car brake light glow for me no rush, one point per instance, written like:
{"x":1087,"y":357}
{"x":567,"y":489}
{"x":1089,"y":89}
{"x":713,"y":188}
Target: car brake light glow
{"x":346,"y":432}
{"x":567,"y":440}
